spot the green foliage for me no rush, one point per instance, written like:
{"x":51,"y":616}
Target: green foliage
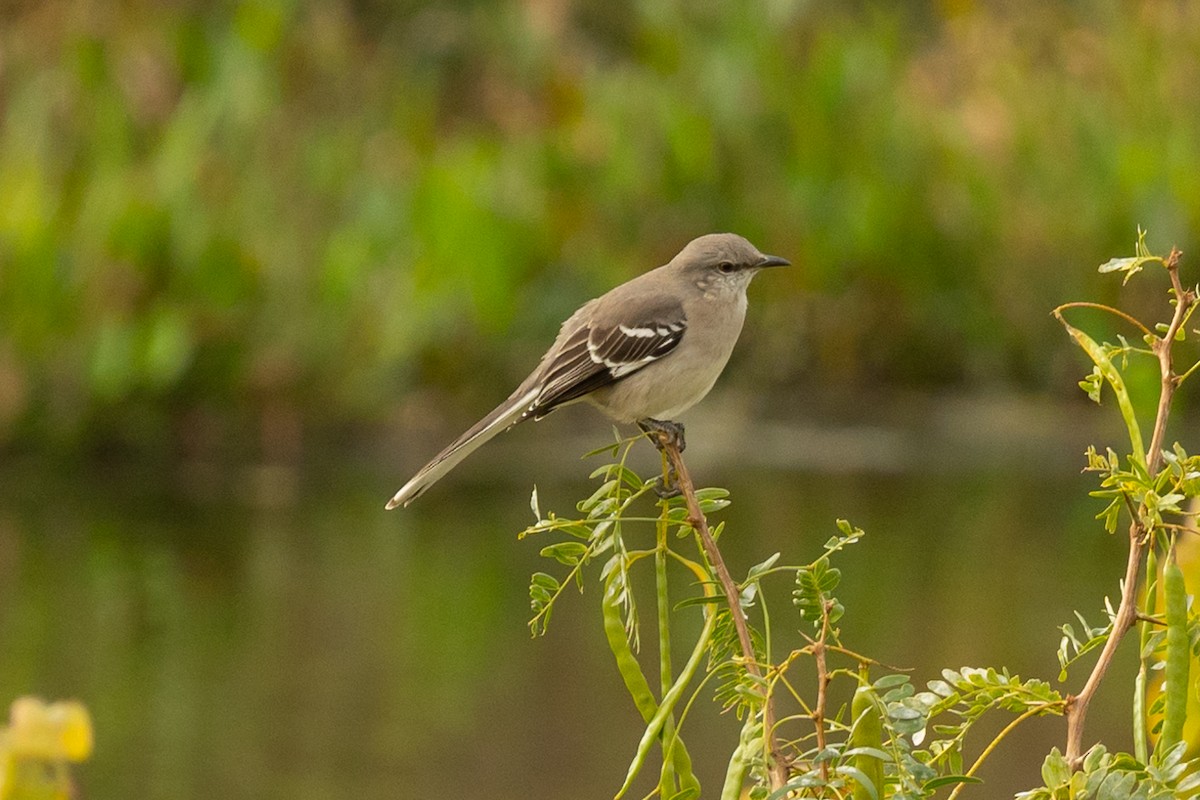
{"x":1108,"y":776}
{"x":1131,"y":265}
{"x":815,"y":583}
{"x":1178,"y":657}
{"x":312,"y":206}
{"x":887,"y":732}
{"x":894,"y":741}
{"x":913,"y":769}
{"x":1071,"y":647}
{"x":866,"y":740}
{"x":1150,"y":489}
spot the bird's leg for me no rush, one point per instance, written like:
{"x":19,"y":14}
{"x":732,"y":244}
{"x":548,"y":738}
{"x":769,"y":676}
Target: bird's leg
{"x":668,"y":484}
{"x":664,"y":434}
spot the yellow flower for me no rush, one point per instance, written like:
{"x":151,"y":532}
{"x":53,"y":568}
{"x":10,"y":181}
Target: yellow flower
{"x":59,"y":731}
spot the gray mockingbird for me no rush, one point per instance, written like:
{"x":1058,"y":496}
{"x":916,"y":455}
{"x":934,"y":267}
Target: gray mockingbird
{"x":644,"y":352}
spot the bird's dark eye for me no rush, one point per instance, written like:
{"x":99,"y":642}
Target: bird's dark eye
{"x":726,"y":267}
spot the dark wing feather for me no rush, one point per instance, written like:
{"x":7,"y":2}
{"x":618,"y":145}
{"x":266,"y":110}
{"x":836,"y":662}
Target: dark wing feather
{"x":601,"y":352}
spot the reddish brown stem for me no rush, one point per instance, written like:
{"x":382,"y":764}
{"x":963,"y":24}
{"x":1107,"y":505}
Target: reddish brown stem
{"x":1077,"y":705}
{"x":1139,"y":540}
{"x":776,"y":763}
{"x":818,"y":715}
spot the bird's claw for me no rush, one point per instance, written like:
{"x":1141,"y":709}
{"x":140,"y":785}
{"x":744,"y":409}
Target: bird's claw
{"x":666,"y":490}
{"x":664,"y":433}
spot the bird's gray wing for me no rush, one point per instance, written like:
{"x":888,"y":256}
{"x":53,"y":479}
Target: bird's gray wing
{"x":595,"y":351}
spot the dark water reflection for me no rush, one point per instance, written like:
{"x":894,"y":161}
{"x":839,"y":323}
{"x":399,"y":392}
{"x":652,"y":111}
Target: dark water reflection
{"x":330,"y":650}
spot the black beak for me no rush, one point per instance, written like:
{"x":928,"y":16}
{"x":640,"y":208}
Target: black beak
{"x":773,"y":261}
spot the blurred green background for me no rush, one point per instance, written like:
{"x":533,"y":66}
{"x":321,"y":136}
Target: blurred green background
{"x":259,"y":260}
{"x":211,"y":214}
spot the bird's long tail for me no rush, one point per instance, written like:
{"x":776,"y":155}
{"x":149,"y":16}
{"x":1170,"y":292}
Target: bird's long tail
{"x":503,"y":417}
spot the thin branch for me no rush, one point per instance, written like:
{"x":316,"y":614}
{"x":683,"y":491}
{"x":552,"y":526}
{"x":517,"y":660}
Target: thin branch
{"x":1182,"y":528}
{"x":1077,"y":705}
{"x":776,"y":761}
{"x":667,"y":776}
{"x":799,"y":700}
{"x":1145,"y":331}
{"x":864,"y":659}
{"x":1162,"y":348}
{"x":818,"y":716}
{"x":987,"y":751}
{"x":1179,"y":380}
{"x":1127,"y":611}
{"x":1135,"y":522}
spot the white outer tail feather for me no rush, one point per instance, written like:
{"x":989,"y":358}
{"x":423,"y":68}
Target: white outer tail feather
{"x":500,"y":419}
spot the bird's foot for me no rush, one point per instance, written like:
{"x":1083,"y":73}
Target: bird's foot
{"x":664,"y":433}
{"x":667,"y":487}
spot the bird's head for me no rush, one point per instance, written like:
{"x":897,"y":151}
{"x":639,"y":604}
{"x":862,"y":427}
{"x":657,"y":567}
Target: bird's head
{"x":723,"y":262}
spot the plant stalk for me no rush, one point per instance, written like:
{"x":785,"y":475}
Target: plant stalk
{"x":666,"y":781}
{"x":1139,"y":538}
{"x":776,"y":761}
